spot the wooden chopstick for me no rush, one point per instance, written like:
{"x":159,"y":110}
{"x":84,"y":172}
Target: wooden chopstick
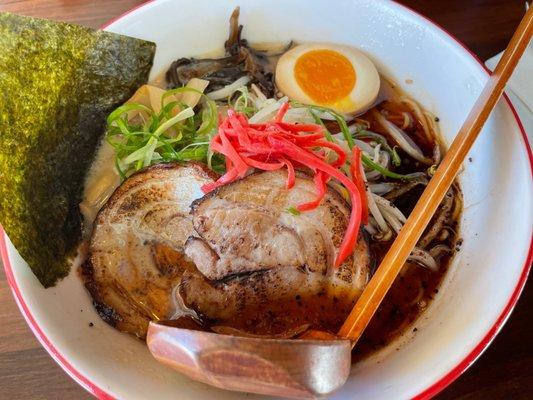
{"x":432,"y":196}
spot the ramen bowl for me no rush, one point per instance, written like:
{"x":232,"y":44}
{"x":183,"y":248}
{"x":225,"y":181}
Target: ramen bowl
{"x":485,"y":278}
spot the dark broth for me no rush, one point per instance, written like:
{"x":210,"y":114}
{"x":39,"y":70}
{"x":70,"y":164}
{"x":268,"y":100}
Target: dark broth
{"x":415,"y":286}
{"x":410,"y":294}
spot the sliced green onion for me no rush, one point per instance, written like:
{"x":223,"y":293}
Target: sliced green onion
{"x":198,"y":154}
{"x":126,"y":108}
{"x":187,"y":113}
{"x":210,"y":118}
{"x":163,"y":136}
{"x":340,"y":120}
{"x":293,"y":211}
{"x":396,"y":160}
{"x":242,"y":102}
{"x":318,"y":120}
{"x":367,"y":161}
{"x":120,"y":172}
{"x":149,"y":152}
{"x":338,"y":117}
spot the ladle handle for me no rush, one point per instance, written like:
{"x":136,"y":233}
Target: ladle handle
{"x":432,"y":196}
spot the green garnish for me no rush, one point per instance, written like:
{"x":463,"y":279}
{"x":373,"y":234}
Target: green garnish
{"x":242,"y":103}
{"x":396,"y":160}
{"x":367,"y":161}
{"x":293,"y":211}
{"x":319,"y":121}
{"x":338,"y":117}
{"x":176,"y":133}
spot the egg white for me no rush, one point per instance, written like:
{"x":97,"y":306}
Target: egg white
{"x":362,"y":96}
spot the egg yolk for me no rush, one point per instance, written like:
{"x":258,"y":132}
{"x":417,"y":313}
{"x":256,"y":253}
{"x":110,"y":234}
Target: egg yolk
{"x":326,"y":76}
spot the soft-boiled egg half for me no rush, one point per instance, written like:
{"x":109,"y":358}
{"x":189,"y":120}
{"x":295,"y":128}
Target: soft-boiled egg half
{"x":328,"y":75}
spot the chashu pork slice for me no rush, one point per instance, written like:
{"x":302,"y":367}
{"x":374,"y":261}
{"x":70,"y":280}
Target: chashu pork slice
{"x":265,"y":270}
{"x":136,"y":250}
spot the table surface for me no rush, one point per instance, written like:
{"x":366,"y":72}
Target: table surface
{"x":505,"y":370}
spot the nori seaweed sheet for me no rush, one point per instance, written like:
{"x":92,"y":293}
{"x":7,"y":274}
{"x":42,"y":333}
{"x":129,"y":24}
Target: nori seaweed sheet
{"x":58,"y":83}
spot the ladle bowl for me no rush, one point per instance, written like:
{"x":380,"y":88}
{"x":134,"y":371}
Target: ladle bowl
{"x":278,"y":367}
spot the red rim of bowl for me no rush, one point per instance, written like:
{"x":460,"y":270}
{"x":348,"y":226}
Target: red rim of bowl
{"x":429,"y":392}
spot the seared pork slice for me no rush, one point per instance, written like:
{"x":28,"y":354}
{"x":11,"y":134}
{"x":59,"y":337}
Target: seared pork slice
{"x":136,"y":250}
{"x":266,"y":269}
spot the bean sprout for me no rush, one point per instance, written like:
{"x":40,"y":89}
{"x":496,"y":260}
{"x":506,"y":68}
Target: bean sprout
{"x":228,"y":90}
{"x":438,"y":220}
{"x":439,"y":249}
{"x":401,"y":188}
{"x":423,"y":258}
{"x":419,"y":115}
{"x":270,"y":106}
{"x":374,"y":210}
{"x":381,"y":188}
{"x":406,"y":120}
{"x":403,"y":140}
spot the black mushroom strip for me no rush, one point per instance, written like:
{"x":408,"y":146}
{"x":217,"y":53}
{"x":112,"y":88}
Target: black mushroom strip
{"x":240,"y":60}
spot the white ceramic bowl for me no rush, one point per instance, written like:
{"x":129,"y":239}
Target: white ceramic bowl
{"x":486,"y":277}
